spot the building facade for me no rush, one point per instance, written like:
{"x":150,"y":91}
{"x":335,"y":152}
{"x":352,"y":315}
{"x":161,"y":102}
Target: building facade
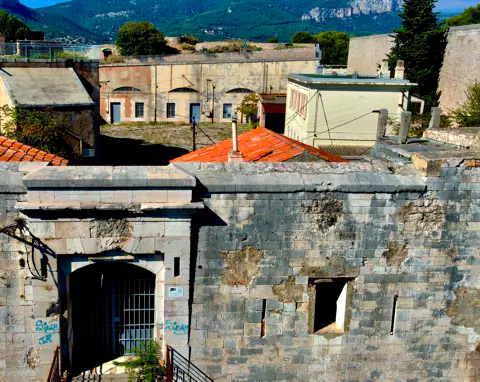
{"x":253,"y":272}
{"x":340,"y":110}
{"x":207,"y":88}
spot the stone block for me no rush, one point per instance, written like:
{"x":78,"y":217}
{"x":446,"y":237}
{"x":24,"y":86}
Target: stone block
{"x":71,"y":229}
{"x":149,"y":196}
{"x":181,"y":228}
{"x":148,"y":229}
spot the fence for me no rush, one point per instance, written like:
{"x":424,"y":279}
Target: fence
{"x":49,"y":51}
{"x":179,"y":369}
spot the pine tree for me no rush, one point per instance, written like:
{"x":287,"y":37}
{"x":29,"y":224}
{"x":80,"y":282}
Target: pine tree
{"x":420,"y":43}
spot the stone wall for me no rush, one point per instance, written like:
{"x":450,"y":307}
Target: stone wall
{"x":409,"y":248}
{"x":366,"y":53}
{"x":461,"y":66}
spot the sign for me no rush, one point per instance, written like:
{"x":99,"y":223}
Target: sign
{"x":175,"y":291}
{"x":88,"y":153}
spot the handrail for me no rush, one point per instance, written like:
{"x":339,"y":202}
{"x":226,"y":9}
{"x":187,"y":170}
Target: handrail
{"x":179,"y":369}
{"x":54,"y":373}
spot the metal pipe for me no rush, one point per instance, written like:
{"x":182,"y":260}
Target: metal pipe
{"x":234,"y":133}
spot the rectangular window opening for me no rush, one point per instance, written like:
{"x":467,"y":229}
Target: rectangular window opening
{"x":394,"y":313}
{"x":330,"y":310}
{"x":227,"y":110}
{"x":139,"y":109}
{"x":176,"y":266}
{"x":170,"y":110}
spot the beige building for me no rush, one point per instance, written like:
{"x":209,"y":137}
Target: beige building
{"x":341,"y":110}
{"x":205,"y":87}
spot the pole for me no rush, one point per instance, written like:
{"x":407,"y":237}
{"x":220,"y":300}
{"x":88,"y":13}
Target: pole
{"x":155,"y":94}
{"x":405,"y":120}
{"x":194,"y":146}
{"x":213,"y":100}
{"x":382,"y":123}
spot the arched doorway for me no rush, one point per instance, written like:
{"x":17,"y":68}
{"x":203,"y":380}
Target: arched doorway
{"x":112,"y":311}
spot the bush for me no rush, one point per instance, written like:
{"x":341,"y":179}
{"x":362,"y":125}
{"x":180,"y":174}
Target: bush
{"x":113,"y":60}
{"x":147,"y":365}
{"x":234,"y":47}
{"x":303,"y":38}
{"x":191,"y":40}
{"x":140,"y":38}
{"x":468,"y":115}
{"x":418,"y":125}
{"x":187,"y":46}
{"x":273,"y":40}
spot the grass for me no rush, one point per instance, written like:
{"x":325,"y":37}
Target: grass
{"x":172,"y":134}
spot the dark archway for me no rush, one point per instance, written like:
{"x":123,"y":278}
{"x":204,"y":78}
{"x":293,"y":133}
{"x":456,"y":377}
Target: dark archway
{"x":112,"y":311}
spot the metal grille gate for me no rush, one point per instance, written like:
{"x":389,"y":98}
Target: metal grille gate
{"x":130,"y":315}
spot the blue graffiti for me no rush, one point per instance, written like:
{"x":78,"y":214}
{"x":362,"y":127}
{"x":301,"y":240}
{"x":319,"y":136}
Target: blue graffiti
{"x":177,"y":329}
{"x":45,"y":327}
{"x":45,"y":339}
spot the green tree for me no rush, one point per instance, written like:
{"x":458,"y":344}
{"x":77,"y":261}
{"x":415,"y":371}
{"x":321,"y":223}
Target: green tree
{"x":248,"y":108}
{"x":468,"y":114}
{"x":12,"y":28}
{"x":37,"y":128}
{"x":303,"y":38}
{"x":273,"y":40}
{"x":420,"y":43}
{"x":334,"y":47}
{"x":140,"y":38}
{"x":469,"y":16}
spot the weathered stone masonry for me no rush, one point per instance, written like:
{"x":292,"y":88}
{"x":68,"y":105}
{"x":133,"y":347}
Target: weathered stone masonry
{"x":266,"y":233}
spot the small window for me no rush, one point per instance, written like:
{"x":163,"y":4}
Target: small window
{"x":126,"y":89}
{"x":227,"y":110}
{"x":170,"y":110}
{"x":176,"y":266}
{"x":139,"y":109}
{"x":329,"y":309}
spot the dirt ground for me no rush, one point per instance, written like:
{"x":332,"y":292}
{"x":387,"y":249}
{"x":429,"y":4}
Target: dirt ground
{"x":157,"y":143}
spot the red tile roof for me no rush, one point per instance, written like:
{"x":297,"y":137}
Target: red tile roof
{"x":258,"y":145}
{"x":13,"y":151}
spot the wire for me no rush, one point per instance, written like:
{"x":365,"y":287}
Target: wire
{"x":325,"y":115}
{"x":211,"y":140}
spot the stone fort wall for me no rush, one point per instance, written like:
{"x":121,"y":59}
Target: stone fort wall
{"x":461,"y":66}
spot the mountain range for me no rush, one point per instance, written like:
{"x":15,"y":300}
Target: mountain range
{"x":97,"y":21}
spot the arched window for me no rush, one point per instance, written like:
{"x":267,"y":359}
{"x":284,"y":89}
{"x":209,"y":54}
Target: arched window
{"x":127,"y":89}
{"x":241,"y":90}
{"x":183,"y":90}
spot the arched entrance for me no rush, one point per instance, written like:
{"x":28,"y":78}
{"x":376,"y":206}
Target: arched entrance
{"x":112,"y":311}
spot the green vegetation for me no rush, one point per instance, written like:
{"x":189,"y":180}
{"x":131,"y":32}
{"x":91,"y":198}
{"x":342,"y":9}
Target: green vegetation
{"x":147,"y":365}
{"x":12,"y":28}
{"x":273,"y":40}
{"x":469,"y":16}
{"x":38,"y":128}
{"x":234,"y":47}
{"x":248,"y":108}
{"x":113,"y":60}
{"x":190,"y":40}
{"x":419,"y":124}
{"x":303,"y":38}
{"x":420,"y":43}
{"x":334,"y":47}
{"x":142,"y":38}
{"x":468,"y":115}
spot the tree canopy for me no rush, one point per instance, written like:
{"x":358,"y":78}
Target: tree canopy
{"x":12,"y":28}
{"x":420,"y":43}
{"x":334,"y":47}
{"x":303,"y":38}
{"x":140,"y":38}
{"x":469,"y":16}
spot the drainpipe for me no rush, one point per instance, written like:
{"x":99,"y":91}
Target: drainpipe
{"x":213,"y":100}
{"x":235,"y":155}
{"x":155,"y":93}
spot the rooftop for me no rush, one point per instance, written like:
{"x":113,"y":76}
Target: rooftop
{"x":354,"y":79}
{"x":42,"y":87}
{"x":13,"y":151}
{"x":261,"y":145}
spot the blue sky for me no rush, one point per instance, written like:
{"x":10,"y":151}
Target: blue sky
{"x":443,"y":5}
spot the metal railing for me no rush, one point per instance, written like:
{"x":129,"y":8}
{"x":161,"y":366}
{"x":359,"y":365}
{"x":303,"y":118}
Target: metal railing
{"x":179,"y":369}
{"x":54,"y":374}
{"x":31,"y":50}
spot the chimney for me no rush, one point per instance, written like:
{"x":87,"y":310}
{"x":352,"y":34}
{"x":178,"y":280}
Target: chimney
{"x":235,"y":155}
{"x":384,"y":72}
{"x":399,"y":70}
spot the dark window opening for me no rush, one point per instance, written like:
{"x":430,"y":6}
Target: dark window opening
{"x":264,"y":318}
{"x":126,"y":89}
{"x":330,"y":305}
{"x":183,"y":90}
{"x":139,"y":109}
{"x":176,"y":266}
{"x":241,"y":90}
{"x":394,"y":313}
{"x":227,"y":110}
{"x":170,"y":110}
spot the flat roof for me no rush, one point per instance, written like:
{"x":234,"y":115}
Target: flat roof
{"x":42,"y":87}
{"x":324,"y":79}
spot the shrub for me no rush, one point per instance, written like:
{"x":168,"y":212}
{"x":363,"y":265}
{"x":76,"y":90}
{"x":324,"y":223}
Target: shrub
{"x":191,"y":40}
{"x":113,"y":60}
{"x":187,"y":46}
{"x":468,"y":114}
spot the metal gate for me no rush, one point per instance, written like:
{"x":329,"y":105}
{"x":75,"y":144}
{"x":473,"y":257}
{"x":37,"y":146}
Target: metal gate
{"x":130,"y":315}
{"x":112,"y":312}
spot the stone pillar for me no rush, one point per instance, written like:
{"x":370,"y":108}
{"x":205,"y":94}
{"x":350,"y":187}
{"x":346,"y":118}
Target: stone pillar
{"x":382,"y":123}
{"x":435,"y":120}
{"x":405,"y":120}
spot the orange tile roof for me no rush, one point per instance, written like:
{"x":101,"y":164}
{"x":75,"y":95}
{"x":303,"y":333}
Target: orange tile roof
{"x":258,"y":145}
{"x":14,"y":151}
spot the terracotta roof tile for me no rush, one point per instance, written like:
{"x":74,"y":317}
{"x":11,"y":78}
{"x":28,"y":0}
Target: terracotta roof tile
{"x":258,"y":145}
{"x":13,"y":151}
